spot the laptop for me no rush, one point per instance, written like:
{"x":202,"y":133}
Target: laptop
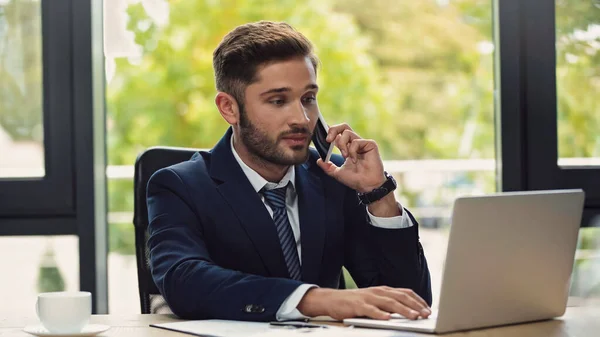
{"x":509,"y":260}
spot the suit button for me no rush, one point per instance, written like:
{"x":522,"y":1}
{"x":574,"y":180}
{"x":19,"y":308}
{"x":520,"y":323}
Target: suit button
{"x":254,"y":309}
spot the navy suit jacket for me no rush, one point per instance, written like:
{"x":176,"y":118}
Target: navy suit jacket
{"x":215,"y":253}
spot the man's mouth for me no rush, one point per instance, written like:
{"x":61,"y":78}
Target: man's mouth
{"x":296,"y":139}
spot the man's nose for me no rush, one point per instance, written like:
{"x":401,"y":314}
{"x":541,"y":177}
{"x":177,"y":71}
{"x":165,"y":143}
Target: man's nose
{"x":299,"y":114}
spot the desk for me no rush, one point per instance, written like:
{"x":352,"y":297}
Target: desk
{"x":578,"y":321}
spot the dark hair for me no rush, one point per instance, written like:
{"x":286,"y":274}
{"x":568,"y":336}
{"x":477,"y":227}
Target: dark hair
{"x":248,"y":46}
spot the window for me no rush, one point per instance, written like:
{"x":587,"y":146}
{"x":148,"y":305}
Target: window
{"x":35,"y":109}
{"x":45,"y":263}
{"x":417,"y":76}
{"x":578,"y":82}
{"x":541,"y":104}
{"x":49,"y":151}
{"x":21,"y":123}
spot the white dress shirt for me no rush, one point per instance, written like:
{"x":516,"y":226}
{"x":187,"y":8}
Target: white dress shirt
{"x":288,"y":309}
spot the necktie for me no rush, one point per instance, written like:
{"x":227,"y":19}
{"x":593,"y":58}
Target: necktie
{"x":276,"y":199}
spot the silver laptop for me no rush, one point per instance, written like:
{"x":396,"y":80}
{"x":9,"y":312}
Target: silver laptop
{"x":509,"y":260}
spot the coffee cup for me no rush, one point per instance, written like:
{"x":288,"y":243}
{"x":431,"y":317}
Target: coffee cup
{"x":64,"y":312}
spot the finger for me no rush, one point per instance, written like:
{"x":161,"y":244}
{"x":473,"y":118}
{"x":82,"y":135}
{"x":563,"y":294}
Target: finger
{"x":393,"y":305}
{"x":360,"y":146}
{"x":343,"y":140}
{"x":353,"y":151}
{"x":337,"y":143}
{"x":336,"y":130}
{"x":414,"y":296}
{"x":412,"y":303}
{"x":374,"y":312}
{"x":407,"y":297}
{"x":330,"y":168}
{"x":390,"y":304}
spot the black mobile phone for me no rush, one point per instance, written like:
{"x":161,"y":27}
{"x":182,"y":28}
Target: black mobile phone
{"x":319,"y":139}
{"x":297,"y":324}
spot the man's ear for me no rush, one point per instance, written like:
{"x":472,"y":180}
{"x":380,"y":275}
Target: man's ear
{"x":228,"y":107}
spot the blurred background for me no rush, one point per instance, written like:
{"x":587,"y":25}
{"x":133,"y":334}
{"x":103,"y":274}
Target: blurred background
{"x":420,"y":77}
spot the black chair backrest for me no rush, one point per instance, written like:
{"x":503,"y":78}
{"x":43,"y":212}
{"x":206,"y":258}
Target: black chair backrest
{"x":146,"y":164}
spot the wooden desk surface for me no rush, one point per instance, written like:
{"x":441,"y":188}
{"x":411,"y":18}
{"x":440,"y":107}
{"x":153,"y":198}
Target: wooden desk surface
{"x":577,"y":322}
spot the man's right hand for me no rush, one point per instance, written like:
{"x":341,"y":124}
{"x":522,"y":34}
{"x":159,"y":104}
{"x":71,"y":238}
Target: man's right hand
{"x":375,"y":302}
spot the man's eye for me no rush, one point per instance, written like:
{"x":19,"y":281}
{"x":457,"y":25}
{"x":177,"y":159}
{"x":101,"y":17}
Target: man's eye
{"x":310,"y":99}
{"x":277,"y":101}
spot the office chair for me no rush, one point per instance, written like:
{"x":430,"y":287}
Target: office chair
{"x":146,"y":164}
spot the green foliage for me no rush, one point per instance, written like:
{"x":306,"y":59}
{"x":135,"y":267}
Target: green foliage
{"x":585,"y":280}
{"x":410,"y":74}
{"x":414,"y":75}
{"x":350,"y":284}
{"x":121,"y":195}
{"x":21,"y":70}
{"x":167,"y":97}
{"x":377,"y":74}
{"x":121,"y":238}
{"x":589,"y":238}
{"x":50,"y":278}
{"x":442,"y":84}
{"x":578,"y":77}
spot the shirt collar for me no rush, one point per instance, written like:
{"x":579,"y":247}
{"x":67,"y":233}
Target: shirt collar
{"x":259,"y":182}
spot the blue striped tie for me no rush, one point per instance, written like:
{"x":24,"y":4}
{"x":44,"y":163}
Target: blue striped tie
{"x":276,"y":199}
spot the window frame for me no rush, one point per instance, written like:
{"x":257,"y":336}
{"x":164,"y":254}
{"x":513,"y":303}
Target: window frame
{"x":29,"y":196}
{"x":527,"y":135}
{"x":71,"y":198}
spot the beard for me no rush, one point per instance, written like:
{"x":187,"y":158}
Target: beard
{"x":261,"y":146}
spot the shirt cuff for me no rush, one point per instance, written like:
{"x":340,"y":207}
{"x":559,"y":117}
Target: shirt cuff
{"x":288,"y":309}
{"x":395,"y":222}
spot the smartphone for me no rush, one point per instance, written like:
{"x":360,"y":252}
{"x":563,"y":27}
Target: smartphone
{"x":297,"y":324}
{"x":319,"y":137}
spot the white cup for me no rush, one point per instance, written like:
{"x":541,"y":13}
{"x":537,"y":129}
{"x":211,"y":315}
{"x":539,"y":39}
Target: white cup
{"x":64,"y":312}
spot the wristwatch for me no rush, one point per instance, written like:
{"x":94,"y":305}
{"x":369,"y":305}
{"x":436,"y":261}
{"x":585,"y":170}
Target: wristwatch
{"x":388,"y":186}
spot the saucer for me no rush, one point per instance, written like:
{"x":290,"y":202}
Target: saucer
{"x":88,"y":330}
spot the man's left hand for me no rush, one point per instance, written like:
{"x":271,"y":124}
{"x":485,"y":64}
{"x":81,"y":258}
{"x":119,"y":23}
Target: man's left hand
{"x":363,"y":168}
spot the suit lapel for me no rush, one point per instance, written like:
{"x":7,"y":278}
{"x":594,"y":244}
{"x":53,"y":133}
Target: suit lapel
{"x":311,"y":204}
{"x":248,"y":207}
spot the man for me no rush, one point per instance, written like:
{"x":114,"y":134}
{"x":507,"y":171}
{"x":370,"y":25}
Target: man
{"x":260,"y":227}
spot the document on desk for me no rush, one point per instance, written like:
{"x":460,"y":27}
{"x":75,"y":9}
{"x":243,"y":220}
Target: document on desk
{"x":338,"y":332}
{"x":223,"y":328}
{"x":216,"y":328}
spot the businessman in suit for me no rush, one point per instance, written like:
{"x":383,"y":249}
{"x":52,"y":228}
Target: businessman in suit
{"x":259,"y":227}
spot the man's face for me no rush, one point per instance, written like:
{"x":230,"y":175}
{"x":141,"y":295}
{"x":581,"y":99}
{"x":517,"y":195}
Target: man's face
{"x":280,"y":112}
